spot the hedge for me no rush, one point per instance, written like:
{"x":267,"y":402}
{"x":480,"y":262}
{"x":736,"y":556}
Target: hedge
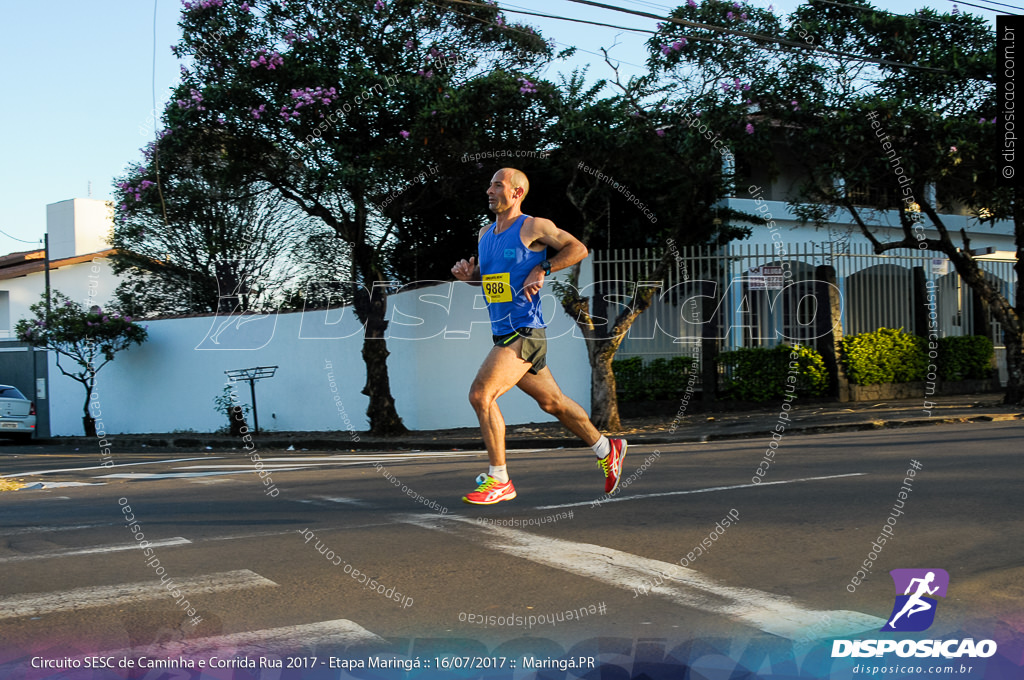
{"x":659,"y":379}
{"x":888,"y":355}
{"x":760,"y":374}
{"x":965,"y":358}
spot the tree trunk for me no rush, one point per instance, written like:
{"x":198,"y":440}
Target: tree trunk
{"x":1015,"y":368}
{"x":236,"y":417}
{"x":604,"y":403}
{"x":371,"y":307}
{"x":88,"y":422}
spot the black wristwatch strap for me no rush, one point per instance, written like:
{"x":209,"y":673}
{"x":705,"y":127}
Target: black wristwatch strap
{"x":546,"y":266}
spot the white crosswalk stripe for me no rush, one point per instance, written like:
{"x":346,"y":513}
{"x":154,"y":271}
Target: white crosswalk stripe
{"x":74,"y":552}
{"x":37,"y":604}
{"x":280,"y":641}
{"x":775,"y":614}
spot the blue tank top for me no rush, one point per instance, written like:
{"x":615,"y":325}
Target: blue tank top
{"x":504,"y":265}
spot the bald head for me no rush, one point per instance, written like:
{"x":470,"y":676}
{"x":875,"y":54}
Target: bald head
{"x":516,"y":178}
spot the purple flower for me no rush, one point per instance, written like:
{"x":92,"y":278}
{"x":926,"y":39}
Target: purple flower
{"x":743,"y":16}
{"x":405,"y":134}
{"x":409,"y":44}
{"x":665,"y":49}
{"x":379,"y":5}
{"x":750,"y":129}
{"x":795,"y":105}
{"x":244,"y":7}
{"x":659,"y":132}
{"x":691,"y":3}
{"x":69,"y":302}
{"x":678,"y":45}
{"x":730,"y":15}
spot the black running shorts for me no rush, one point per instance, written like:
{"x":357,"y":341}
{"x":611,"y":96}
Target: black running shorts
{"x":534,"y":348}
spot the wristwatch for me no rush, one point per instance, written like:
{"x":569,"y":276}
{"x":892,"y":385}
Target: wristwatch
{"x":546,"y":266}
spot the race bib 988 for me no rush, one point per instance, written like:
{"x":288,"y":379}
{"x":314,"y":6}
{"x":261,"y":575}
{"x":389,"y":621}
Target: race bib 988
{"x":497,"y":287}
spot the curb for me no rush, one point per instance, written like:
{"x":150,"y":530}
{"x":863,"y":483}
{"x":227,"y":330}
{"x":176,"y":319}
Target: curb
{"x":282,"y":445}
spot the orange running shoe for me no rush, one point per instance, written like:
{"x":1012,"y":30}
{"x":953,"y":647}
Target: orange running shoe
{"x":612,"y":464}
{"x":490,"y":491}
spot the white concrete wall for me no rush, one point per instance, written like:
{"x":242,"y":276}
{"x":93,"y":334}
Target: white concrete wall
{"x":78,"y":226}
{"x":168,"y":383}
{"x":87,"y":283}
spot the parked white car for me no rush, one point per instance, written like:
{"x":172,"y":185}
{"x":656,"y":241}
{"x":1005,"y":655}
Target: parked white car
{"x":17,"y":414}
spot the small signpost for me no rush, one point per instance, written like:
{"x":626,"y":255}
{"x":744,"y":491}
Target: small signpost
{"x":252,"y":375}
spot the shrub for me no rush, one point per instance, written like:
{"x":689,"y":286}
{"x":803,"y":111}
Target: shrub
{"x":659,"y":379}
{"x":761,"y":374}
{"x":888,"y":355}
{"x":965,"y":358}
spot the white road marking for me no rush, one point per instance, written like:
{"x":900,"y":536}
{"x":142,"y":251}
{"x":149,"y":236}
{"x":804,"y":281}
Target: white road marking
{"x":35,"y":486}
{"x":284,"y":641}
{"x":184,"y":475}
{"x":345,"y":500}
{"x":774,"y":614}
{"x":39,"y":530}
{"x":73,"y":552}
{"x":249,"y":466}
{"x":616,"y":499}
{"x":104,"y":467}
{"x":330,"y":501}
{"x":37,"y":604}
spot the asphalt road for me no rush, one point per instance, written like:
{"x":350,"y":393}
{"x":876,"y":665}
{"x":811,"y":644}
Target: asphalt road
{"x":74,"y":579}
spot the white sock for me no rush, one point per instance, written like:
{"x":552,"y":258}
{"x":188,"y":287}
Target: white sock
{"x":603,"y":447}
{"x":499,"y":472}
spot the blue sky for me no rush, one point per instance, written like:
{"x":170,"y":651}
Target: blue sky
{"x":78,"y":81}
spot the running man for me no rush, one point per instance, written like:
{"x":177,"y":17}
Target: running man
{"x":915,"y":604}
{"x":511,"y":270}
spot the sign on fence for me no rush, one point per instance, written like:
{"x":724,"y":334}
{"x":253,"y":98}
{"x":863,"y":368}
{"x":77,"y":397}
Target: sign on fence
{"x":766,"y":277}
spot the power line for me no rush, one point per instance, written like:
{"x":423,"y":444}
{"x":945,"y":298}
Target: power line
{"x":990,"y":9}
{"x":992,"y":2}
{"x":546,"y":16}
{"x":752,"y":36}
{"x":726,"y":31}
{"x":18,"y":239}
{"x":875,"y":10}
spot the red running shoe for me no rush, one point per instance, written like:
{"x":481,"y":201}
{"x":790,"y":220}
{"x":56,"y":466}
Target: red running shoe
{"x":612,"y":464}
{"x":490,"y":491}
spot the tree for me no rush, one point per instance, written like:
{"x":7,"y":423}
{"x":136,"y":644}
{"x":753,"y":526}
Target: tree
{"x":330,"y":102}
{"x":177,"y":234}
{"x":662,"y":183}
{"x":84,"y":336}
{"x":917,"y":123}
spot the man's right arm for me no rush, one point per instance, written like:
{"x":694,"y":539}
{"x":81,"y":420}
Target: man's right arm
{"x":467,"y":271}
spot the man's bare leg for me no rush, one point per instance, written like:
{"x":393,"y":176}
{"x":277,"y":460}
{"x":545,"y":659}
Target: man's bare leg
{"x":545,"y":391}
{"x":501,"y":370}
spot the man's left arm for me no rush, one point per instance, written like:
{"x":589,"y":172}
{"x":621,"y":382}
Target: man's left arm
{"x":569,"y":251}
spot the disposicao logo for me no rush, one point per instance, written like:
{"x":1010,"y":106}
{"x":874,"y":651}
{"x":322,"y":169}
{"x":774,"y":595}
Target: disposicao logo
{"x":914,"y":611}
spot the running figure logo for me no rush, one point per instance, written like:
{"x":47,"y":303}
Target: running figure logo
{"x":914,"y":610}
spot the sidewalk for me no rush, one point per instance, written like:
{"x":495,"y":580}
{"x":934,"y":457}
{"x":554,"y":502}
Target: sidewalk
{"x":811,"y":417}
